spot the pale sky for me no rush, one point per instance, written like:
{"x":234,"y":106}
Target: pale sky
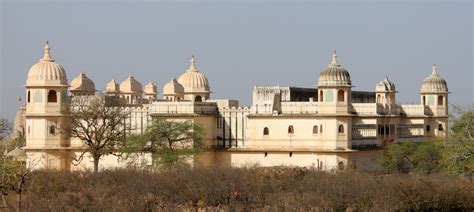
{"x":240,"y":44}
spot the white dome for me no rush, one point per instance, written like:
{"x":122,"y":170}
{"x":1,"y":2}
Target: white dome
{"x":194,"y":81}
{"x":46,"y":72}
{"x":334,"y":75}
{"x":173,"y":88}
{"x":434,"y":83}
{"x":130,"y":85}
{"x":385,"y":86}
{"x":82,"y":83}
{"x":151,"y":88}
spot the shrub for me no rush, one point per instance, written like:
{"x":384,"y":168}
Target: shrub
{"x":243,"y":188}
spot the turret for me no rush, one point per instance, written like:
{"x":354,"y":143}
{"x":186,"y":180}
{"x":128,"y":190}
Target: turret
{"x":334,"y":89}
{"x":434,"y":93}
{"x":47,"y":105}
{"x":334,"y":92}
{"x":434,"y":96}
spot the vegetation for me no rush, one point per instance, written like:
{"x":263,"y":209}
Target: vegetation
{"x":169,"y":142}
{"x":14,"y":173}
{"x":453,"y":155}
{"x":429,"y":179}
{"x":4,"y":128}
{"x":99,"y":122}
{"x":459,"y":147}
{"x":269,"y":189}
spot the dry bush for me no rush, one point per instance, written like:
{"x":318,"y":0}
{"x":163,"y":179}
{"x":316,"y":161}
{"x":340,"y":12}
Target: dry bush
{"x":265,"y":189}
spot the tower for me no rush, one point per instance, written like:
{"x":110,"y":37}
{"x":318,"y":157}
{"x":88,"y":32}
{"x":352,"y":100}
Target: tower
{"x":434,"y":96}
{"x":334,"y":92}
{"x":46,"y":109}
{"x":334,"y":89}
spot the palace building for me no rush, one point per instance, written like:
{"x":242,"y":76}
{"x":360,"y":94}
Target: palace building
{"x":329,"y":126}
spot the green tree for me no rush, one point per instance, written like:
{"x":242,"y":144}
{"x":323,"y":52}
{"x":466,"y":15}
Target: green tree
{"x":169,"y":142}
{"x":453,"y":154}
{"x":422,"y":157}
{"x":458,"y":154}
{"x":15,"y":173}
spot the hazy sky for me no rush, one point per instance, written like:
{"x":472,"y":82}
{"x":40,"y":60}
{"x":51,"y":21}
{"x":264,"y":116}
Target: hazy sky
{"x":240,"y":44}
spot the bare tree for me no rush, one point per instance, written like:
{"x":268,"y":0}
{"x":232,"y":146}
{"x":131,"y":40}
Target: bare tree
{"x":4,"y":128}
{"x":99,"y":122}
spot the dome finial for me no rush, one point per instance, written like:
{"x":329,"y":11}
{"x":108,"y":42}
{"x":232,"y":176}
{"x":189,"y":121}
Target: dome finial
{"x":334,"y":59}
{"x":192,"y":66}
{"x":434,"y":72}
{"x":47,"y":55}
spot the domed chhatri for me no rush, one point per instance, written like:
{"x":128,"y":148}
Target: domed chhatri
{"x":151,"y":88}
{"x":112,"y":87}
{"x":130,"y":85}
{"x":82,"y":84}
{"x":334,"y":75}
{"x":193,"y":81}
{"x":46,"y":71}
{"x":173,"y":90}
{"x":173,"y":87}
{"x":385,"y":86}
{"x":434,"y":83}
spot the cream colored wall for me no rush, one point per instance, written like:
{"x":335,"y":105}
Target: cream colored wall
{"x":333,"y":106}
{"x":303,"y":136}
{"x":208,"y":124}
{"x":299,"y":159}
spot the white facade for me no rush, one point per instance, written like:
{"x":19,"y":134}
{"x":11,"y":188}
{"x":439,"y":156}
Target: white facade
{"x":326,"y":127}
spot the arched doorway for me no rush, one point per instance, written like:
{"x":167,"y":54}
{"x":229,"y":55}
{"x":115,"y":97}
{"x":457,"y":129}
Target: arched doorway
{"x":198,"y":99}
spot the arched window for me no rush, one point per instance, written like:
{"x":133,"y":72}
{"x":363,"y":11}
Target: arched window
{"x":341,"y":128}
{"x":340,"y":96}
{"x":315,"y":129}
{"x":198,"y":99}
{"x":321,"y":128}
{"x":321,"y":96}
{"x":440,"y":100}
{"x":424,"y":100}
{"x":52,"y":96}
{"x":52,"y":130}
{"x":431,"y":100}
{"x":28,"y":98}
{"x":440,"y":127}
{"x":291,"y":130}
{"x":329,"y":96}
{"x":428,"y":128}
{"x":378,"y":98}
{"x":266,"y":131}
{"x":340,"y":165}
